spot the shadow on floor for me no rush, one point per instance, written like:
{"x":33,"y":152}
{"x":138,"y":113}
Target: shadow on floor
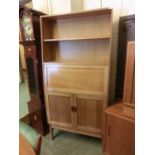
{"x":66,"y":143}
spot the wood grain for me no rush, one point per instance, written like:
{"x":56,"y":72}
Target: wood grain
{"x":76,"y":50}
{"x":60,"y":109}
{"x":129,"y":73}
{"x":119,"y":132}
{"x":129,"y":84}
{"x":103,"y":11}
{"x":91,"y":52}
{"x":89,"y":113}
{"x":24,"y":146}
{"x":75,"y":79}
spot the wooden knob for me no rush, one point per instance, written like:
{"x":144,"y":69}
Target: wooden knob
{"x":29,"y":49}
{"x":74,"y":109}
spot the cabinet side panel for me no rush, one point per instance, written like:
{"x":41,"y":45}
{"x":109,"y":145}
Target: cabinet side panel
{"x":120,"y":136}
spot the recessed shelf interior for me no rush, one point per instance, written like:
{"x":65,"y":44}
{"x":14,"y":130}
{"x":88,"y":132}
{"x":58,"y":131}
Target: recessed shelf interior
{"x":86,"y":52}
{"x":95,"y":26}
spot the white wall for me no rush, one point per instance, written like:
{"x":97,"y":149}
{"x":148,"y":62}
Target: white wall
{"x":120,"y":8}
{"x":59,"y":6}
{"x":40,"y":5}
{"x":91,"y":4}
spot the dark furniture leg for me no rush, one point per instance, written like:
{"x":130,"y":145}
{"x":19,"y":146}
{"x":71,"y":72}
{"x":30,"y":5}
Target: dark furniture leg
{"x":51,"y":132}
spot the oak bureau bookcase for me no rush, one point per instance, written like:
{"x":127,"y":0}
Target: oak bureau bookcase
{"x":76,"y":62}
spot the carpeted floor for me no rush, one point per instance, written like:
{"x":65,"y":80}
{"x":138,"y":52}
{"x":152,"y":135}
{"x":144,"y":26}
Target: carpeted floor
{"x":66,"y":143}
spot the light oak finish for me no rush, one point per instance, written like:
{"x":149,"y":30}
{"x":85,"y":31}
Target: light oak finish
{"x":75,"y":39}
{"x":65,"y":28}
{"x":72,"y":112}
{"x":103,"y":11}
{"x":25,"y":147}
{"x":129,"y":110}
{"x":60,"y":109}
{"x":129,"y":84}
{"x":89,"y":113}
{"x":91,"y":52}
{"x":76,"y":63}
{"x":75,"y":79}
{"x":129,"y":73}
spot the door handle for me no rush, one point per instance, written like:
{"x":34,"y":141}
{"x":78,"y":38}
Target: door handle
{"x":74,"y":109}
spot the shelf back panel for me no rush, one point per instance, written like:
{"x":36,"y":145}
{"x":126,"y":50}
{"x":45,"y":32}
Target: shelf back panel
{"x":92,"y":52}
{"x":91,"y":26}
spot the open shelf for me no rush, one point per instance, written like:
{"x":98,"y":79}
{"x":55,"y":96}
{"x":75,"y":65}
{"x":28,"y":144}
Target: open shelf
{"x":96,"y":26}
{"x":85,"y":52}
{"x":75,"y":39}
{"x":65,"y":65}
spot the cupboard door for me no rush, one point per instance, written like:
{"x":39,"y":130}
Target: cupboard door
{"x":89,"y":113}
{"x":119,"y":136}
{"x":60,"y":109}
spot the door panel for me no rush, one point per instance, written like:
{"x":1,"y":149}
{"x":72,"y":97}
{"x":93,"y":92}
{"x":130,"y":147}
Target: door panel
{"x":60,"y":109}
{"x":119,"y":136}
{"x":89,"y":112}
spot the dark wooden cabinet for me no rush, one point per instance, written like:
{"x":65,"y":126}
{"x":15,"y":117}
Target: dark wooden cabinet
{"x":30,"y":39}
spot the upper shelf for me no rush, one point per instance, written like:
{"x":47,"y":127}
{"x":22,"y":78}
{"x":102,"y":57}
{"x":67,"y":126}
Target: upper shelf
{"x":74,"y":39}
{"x":87,"y":13}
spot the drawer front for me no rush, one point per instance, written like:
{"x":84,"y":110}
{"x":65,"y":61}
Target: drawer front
{"x":75,"y":80}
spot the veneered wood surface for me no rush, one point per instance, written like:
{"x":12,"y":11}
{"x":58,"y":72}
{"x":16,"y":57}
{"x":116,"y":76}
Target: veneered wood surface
{"x":25,"y":147}
{"x":86,"y":52}
{"x":60,"y":109}
{"x":119,"y":132}
{"x":71,"y":28}
{"x":129,"y":74}
{"x":89,"y":113}
{"x":76,"y":60}
{"x":75,"y":79}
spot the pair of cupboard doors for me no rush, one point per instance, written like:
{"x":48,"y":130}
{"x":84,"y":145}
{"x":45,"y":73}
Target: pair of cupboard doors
{"x":76,"y":113}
